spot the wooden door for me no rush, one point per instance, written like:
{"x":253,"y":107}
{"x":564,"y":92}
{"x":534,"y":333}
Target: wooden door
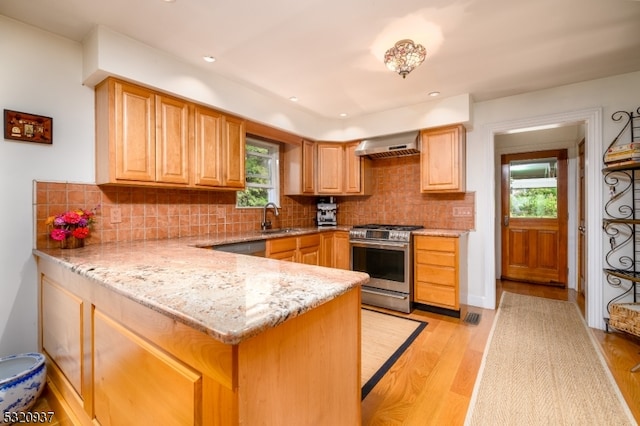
{"x":330,"y":167}
{"x":233,"y":153}
{"x":582,"y":250}
{"x":172,"y":140}
{"x":208,"y":149}
{"x":534,"y":217}
{"x":135,"y":133}
{"x":341,"y":250}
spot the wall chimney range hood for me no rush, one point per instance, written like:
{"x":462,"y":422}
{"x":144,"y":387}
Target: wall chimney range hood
{"x":398,"y":145}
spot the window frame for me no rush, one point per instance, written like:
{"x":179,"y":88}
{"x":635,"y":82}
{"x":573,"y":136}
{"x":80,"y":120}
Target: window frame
{"x":273,"y":189}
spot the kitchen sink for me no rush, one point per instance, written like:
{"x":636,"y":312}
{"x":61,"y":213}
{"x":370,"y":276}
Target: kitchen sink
{"x":280,"y":230}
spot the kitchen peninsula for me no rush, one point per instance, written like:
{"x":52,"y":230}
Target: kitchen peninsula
{"x":165,"y":332}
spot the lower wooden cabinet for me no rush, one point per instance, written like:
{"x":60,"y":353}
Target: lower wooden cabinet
{"x":302,"y":249}
{"x":113,"y":361}
{"x":440,"y":270}
{"x":341,"y":250}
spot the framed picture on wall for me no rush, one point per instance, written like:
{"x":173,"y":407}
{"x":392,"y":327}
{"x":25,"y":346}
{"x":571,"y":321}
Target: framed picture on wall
{"x":21,"y":126}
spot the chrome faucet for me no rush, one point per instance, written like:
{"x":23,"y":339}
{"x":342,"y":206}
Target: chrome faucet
{"x":265,"y":223}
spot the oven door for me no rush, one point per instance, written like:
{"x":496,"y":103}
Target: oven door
{"x":387,"y":263}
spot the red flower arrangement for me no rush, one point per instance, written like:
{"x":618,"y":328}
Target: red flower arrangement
{"x":74,"y":223}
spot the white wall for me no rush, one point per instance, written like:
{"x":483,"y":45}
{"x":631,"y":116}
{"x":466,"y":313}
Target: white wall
{"x":608,"y":95}
{"x":40,"y":74}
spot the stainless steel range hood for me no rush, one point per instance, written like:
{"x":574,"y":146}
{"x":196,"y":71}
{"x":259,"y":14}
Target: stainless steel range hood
{"x":398,"y":145}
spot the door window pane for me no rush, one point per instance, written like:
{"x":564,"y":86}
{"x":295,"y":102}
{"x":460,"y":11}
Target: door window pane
{"x":534,"y":188}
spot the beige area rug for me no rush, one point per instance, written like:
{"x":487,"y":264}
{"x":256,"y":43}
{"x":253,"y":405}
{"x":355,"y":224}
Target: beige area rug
{"x":542,"y":366}
{"x":384,"y":338}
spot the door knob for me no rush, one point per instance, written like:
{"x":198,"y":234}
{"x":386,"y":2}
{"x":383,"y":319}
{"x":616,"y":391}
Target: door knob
{"x":506,"y":220}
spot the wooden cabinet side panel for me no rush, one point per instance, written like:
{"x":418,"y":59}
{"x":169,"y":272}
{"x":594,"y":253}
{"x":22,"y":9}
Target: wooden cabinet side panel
{"x":172,"y":135}
{"x":308,"y":167}
{"x":135,"y":383}
{"x":62,"y":330}
{"x":135,"y":141}
{"x":320,"y":347}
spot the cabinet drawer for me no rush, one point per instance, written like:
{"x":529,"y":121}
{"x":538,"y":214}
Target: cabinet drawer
{"x":436,"y":274}
{"x":433,"y":294}
{"x":439,"y":258}
{"x":281,"y":244}
{"x":309,"y":240}
{"x":436,"y":243}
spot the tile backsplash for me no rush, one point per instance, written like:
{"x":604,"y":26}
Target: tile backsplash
{"x":158,"y":213}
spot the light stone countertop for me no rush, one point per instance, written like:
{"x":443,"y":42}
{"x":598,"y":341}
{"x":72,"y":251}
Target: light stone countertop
{"x":440,"y":232}
{"x":230,"y":297}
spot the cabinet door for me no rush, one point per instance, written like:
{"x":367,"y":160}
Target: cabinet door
{"x":233,"y":152}
{"x":299,"y":168}
{"x":342,"y":250}
{"x":309,"y":255}
{"x":442,"y":160}
{"x":208,"y":147}
{"x":330,"y":168}
{"x":326,"y":249}
{"x":135,"y":132}
{"x":172,"y":140}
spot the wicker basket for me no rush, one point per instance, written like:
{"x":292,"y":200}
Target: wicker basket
{"x":626,"y":317}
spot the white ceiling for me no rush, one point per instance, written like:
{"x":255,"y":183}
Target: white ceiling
{"x":328,"y":53}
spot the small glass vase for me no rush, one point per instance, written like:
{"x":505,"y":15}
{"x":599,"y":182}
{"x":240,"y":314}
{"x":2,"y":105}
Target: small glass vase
{"x":72,"y":242}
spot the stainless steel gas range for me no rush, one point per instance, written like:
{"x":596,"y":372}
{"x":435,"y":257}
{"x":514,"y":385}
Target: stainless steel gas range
{"x":385,"y":252}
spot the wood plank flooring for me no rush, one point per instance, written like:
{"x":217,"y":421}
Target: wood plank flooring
{"x":431,"y":384}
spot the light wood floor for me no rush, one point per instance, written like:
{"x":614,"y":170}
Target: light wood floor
{"x":431,"y":384}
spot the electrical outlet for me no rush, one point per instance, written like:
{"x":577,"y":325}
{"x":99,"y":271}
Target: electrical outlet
{"x":462,"y":211}
{"x":116,"y":215}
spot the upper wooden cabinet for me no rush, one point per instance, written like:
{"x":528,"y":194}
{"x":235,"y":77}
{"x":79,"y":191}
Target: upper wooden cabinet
{"x":442,"y":159}
{"x":144,"y":137}
{"x":330,"y":168}
{"x":219,"y":150}
{"x":300,"y":168}
{"x":326,"y":168}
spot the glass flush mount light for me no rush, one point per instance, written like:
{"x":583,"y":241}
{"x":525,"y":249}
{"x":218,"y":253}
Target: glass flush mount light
{"x":404,"y":57}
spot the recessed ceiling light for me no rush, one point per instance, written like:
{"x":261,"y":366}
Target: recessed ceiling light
{"x":169,"y":1}
{"x":209,"y":58}
{"x":434,"y":94}
{"x":293,"y":99}
{"x":343,"y":114}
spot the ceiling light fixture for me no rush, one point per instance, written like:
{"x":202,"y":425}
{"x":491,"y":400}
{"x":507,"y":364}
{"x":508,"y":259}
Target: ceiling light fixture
{"x":293,"y":99}
{"x":404,"y":57}
{"x":209,"y":58}
{"x":434,"y":94}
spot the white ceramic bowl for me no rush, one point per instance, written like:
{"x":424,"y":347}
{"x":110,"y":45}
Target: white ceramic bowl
{"x":22,"y":378}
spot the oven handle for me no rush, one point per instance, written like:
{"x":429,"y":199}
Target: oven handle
{"x":379,"y":245}
{"x":381,"y":293}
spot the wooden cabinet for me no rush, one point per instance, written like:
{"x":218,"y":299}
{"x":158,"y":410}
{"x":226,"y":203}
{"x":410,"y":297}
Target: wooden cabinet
{"x":219,"y":150}
{"x":300,"y":168}
{"x":302,"y":249}
{"x":326,"y":168}
{"x":148,"y":138}
{"x":113,"y":361}
{"x":342,"y":250}
{"x":439,"y":271}
{"x":330,"y":168}
{"x":442,"y":159}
